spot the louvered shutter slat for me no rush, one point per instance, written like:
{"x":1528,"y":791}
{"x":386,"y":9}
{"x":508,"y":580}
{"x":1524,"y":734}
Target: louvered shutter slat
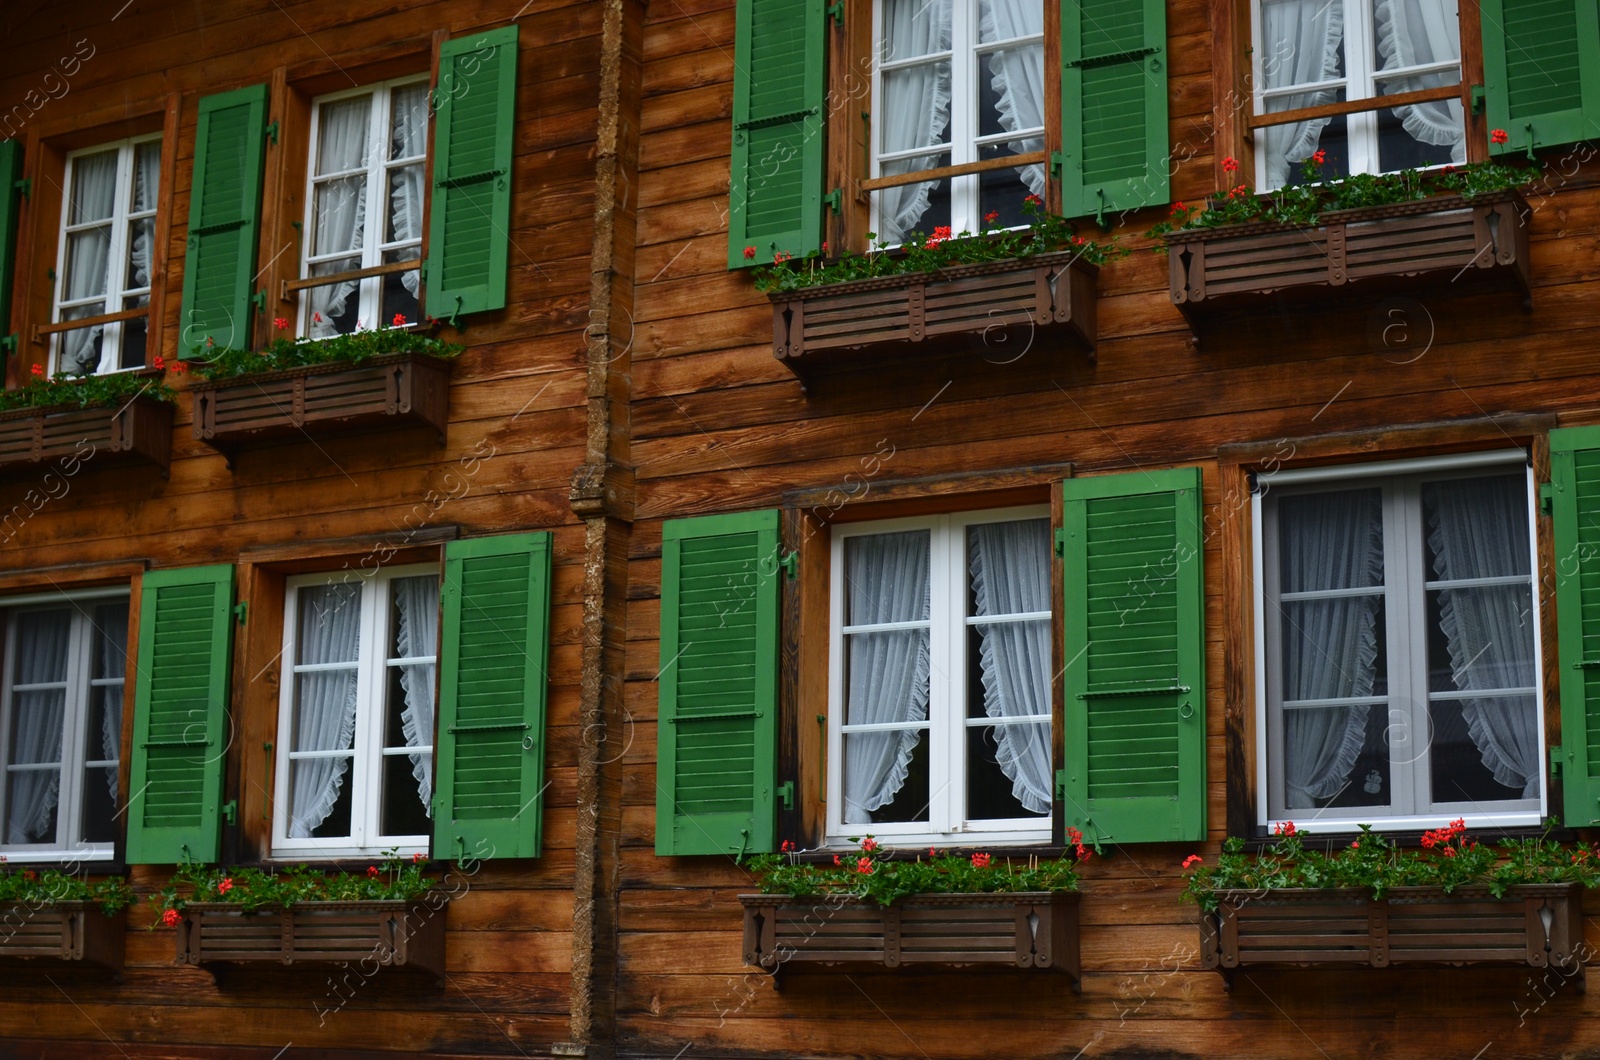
{"x":1541,"y":64}
{"x":224,"y":220}
{"x":493,"y":683}
{"x":1575,"y":514}
{"x":775,"y":186}
{"x":180,"y":715}
{"x":473,"y":151}
{"x":1114,"y":105}
{"x":1135,"y":650}
{"x":718,"y":685}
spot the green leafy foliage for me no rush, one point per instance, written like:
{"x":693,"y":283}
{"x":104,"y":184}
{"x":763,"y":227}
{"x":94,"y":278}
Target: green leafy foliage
{"x":285,"y":352}
{"x":1044,"y":233}
{"x":26,"y":887}
{"x":874,"y":874}
{"x":81,"y":392}
{"x":1447,"y":859}
{"x":252,"y":888}
{"x":1303,"y":203}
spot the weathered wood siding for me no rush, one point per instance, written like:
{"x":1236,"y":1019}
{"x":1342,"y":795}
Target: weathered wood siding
{"x":517,"y":403}
{"x":719,"y":425}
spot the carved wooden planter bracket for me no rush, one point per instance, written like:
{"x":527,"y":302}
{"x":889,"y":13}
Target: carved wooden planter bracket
{"x":139,"y":432}
{"x":402,"y":389}
{"x":998,"y":309}
{"x":1539,"y":925}
{"x":1446,"y":244}
{"x":1030,"y":929}
{"x":63,"y":932}
{"x":379,"y":934}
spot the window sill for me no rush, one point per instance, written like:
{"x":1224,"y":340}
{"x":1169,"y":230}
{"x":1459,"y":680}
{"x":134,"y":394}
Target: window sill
{"x":1445,"y":244}
{"x":1411,"y":838}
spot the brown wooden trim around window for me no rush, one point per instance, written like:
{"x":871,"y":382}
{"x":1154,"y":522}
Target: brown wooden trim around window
{"x":289,"y":287}
{"x":70,"y":577}
{"x":1356,"y":106}
{"x":826,"y":501}
{"x":390,"y":549}
{"x":1238,"y":654}
{"x":1388,"y":443}
{"x":78,"y":324}
{"x":1030,"y":158}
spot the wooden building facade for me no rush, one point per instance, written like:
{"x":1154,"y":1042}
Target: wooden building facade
{"x":1174,"y":549}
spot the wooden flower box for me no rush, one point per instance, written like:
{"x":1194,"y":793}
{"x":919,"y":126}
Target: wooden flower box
{"x":384,"y":934}
{"x":1449,"y":243}
{"x":396,"y":390}
{"x":1539,"y":925}
{"x":67,"y":440}
{"x":999,"y":309}
{"x":1028,"y":929}
{"x":62,"y":932}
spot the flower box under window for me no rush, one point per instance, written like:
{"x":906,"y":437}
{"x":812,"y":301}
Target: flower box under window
{"x":1029,"y":929}
{"x":394,"y":390}
{"x":63,"y":931}
{"x":998,"y":309}
{"x":385,"y":934}
{"x":1539,"y":925}
{"x":137,"y":432}
{"x":1448,"y":243}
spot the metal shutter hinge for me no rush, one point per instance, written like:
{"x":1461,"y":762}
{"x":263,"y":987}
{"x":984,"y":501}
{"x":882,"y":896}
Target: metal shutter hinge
{"x":259,"y":300}
{"x":1061,"y":784}
{"x":1058,"y":161}
{"x":230,"y":811}
{"x":836,"y":12}
{"x":25,"y":185}
{"x":786,"y":793}
{"x":835,"y":200}
{"x":241,"y":611}
{"x":790,"y":562}
{"x":9,"y":343}
{"x":1547,"y":496}
{"x":272,"y":132}
{"x":1061,"y":542}
{"x":1555,"y":762}
{"x":1478,"y":99}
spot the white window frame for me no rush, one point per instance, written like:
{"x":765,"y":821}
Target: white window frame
{"x":74,"y":757}
{"x":117,"y":291}
{"x":1349,"y":819}
{"x":366,"y":768}
{"x":1360,"y":82}
{"x":947,"y":722}
{"x":369,"y":307}
{"x":966,"y":57}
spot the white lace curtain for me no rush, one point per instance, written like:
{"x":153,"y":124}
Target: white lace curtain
{"x":111,"y":634}
{"x":1302,"y":45}
{"x":1328,"y":541}
{"x":1010,"y":569}
{"x":93,"y":198}
{"x":1478,"y":528}
{"x":344,"y":138}
{"x":325,"y":701}
{"x":408,"y":139}
{"x":886,"y":578}
{"x":417,"y":602}
{"x":916,"y":99}
{"x":37,"y":717}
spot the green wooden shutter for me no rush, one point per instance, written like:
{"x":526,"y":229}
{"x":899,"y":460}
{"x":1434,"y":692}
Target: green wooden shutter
{"x":493,"y":680}
{"x":224,"y":220}
{"x":180,"y":715}
{"x":1113,"y":106}
{"x":1541,"y":69}
{"x":1135,"y":651}
{"x":717,"y":744}
{"x":779,"y":126}
{"x":1575,"y":511}
{"x":473,"y":148}
{"x":10,"y":173}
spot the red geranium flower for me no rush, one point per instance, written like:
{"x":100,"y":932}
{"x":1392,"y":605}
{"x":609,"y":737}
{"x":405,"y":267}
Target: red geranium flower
{"x":750,"y":253}
{"x":980,"y":861}
{"x":418,"y":858}
{"x":179,"y":367}
{"x":283,"y":325}
{"x":37,"y":369}
{"x":836,"y":860}
{"x":1178,"y":208}
{"x":226,"y":885}
{"x":864,"y":866}
{"x":1499,"y":136}
{"x":372,"y":870}
{"x":170,"y":918}
{"x":991,"y":217}
{"x":1230,"y":165}
{"x":1319,"y":157}
{"x":316,"y":318}
{"x":1283,"y":828}
{"x":160,"y":363}
{"x":1192,"y":860}
{"x":399,"y":320}
{"x":869,"y":844}
{"x":1034,"y":200}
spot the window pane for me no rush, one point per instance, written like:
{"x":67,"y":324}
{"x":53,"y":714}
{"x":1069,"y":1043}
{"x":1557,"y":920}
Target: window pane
{"x":135,"y":334}
{"x":914,"y":27}
{"x":404,"y":218}
{"x":1412,"y":34}
{"x":103,"y":729}
{"x":404,"y":812}
{"x":141,"y":240}
{"x":1483,"y":750}
{"x":98,"y":823}
{"x":328,"y":633}
{"x":1423,"y":134}
{"x":344,"y":135}
{"x":78,"y":352}
{"x":1331,"y":540}
{"x":32,"y":794}
{"x":336,"y":308}
{"x":341,"y":215}
{"x":409,"y":704}
{"x":886,"y":578}
{"x":329,"y":623}
{"x":408,"y":122}
{"x":1008,"y":771}
{"x":400,"y":290}
{"x":885,"y":777}
{"x":320,"y":798}
{"x":146,"y":176}
{"x":43,"y":638}
{"x":1002,"y":191}
{"x":1011,"y":92}
{"x":94,"y":187}
{"x":1337,"y":756}
{"x":87,"y":264}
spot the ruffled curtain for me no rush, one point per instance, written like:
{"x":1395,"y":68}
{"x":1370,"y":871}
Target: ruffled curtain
{"x":1017,"y":75}
{"x":111,"y":635}
{"x":325,"y":701}
{"x":94,"y":196}
{"x":344,"y":137}
{"x":916,"y":108}
{"x":38,"y":714}
{"x":886,"y":581}
{"x":1010,"y":570}
{"x":1300,"y":45}
{"x":1478,"y":528}
{"x":1418,"y":33}
{"x":408,"y":139}
{"x":417,"y":602}
{"x":1328,"y":541}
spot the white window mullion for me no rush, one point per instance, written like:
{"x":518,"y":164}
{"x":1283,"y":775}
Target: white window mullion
{"x":74,"y":706}
{"x":364,"y":774}
{"x":116,"y":262}
{"x":946,"y":791}
{"x":377,"y":202}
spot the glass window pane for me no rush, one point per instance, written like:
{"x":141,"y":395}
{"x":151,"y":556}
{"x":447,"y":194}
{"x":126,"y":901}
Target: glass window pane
{"x":135,"y":334}
{"x":914,"y":27}
{"x":1011,"y":92}
{"x":94,"y":187}
{"x":1484,"y":750}
{"x":886,"y":577}
{"x":98,"y":823}
{"x":405,"y":811}
{"x":408,"y":122}
{"x":344,"y":135}
{"x":912,"y":208}
{"x":341,"y":214}
{"x":1336,"y":756}
{"x":1287,"y":146}
{"x":1421,"y":135}
{"x":320,"y":799}
{"x":404,"y":217}
{"x":335,"y":308}
{"x":1008,"y":771}
{"x":141,"y":240}
{"x":1331,"y":540}
{"x":329,"y":623}
{"x":32,"y":797}
{"x":43,"y":640}
{"x":400,"y":290}
{"x":885,"y":777}
{"x":78,"y":352}
{"x":146,"y":176}
{"x":1008,"y":21}
{"x":110,"y":656}
{"x":88,"y":263}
